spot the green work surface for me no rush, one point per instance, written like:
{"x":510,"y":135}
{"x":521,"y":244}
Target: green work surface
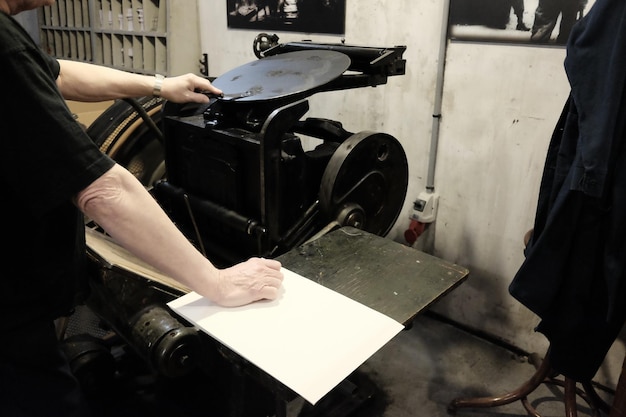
{"x":394,"y":279}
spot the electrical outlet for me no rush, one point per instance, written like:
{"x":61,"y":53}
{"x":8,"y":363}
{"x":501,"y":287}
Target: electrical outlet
{"x":425,"y":207}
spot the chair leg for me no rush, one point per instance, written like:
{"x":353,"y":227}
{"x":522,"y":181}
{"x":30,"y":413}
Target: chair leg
{"x":570,"y":398}
{"x":594,"y":399}
{"x":520,"y":393}
{"x":618,"y":408}
{"x":546,"y":375}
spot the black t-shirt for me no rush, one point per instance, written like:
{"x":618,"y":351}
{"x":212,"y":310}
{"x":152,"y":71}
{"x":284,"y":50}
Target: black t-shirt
{"x":45,"y":159}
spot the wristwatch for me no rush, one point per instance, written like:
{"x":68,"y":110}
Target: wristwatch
{"x":158,"y":83}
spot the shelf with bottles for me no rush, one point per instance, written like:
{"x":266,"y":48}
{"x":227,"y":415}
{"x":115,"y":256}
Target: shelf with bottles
{"x":139,"y":53}
{"x":131,"y":16}
{"x":131,"y":35}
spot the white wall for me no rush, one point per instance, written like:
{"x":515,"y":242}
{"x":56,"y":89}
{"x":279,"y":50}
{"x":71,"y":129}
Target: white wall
{"x":500,"y":104}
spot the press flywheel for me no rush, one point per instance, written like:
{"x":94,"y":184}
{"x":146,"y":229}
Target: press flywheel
{"x":365,"y":182}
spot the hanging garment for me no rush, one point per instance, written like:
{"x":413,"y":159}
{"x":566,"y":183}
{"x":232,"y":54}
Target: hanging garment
{"x":573,"y":276}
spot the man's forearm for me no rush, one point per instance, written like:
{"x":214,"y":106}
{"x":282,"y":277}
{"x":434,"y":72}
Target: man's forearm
{"x":81,"y":81}
{"x":125,"y":210}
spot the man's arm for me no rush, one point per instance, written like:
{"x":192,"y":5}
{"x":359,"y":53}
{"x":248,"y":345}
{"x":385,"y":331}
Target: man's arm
{"x":120,"y":204}
{"x":81,"y":81}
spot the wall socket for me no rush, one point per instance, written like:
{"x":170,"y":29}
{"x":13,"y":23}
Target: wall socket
{"x":425,"y":207}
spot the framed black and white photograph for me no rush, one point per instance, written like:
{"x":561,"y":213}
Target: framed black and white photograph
{"x":308,"y":16}
{"x":540,"y":22}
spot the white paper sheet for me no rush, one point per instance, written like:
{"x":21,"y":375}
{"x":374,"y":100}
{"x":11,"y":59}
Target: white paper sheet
{"x":311,"y":338}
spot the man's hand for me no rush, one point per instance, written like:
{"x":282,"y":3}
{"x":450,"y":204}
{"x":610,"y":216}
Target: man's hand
{"x":188,"y":88}
{"x":255,"y":279}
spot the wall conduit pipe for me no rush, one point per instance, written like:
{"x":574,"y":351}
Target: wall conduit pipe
{"x":434,"y":140}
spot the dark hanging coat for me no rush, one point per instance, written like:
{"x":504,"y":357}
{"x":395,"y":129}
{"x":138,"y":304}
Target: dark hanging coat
{"x":574,"y":274}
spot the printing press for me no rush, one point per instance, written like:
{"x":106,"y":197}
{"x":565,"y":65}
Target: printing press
{"x":236,"y":178}
{"x":239,"y":182}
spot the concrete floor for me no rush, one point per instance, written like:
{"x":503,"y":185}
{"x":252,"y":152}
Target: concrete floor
{"x":418,"y":373}
{"x":426,"y":367}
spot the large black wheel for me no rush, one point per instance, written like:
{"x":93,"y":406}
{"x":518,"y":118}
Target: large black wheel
{"x":129,"y":132}
{"x":365,"y":182}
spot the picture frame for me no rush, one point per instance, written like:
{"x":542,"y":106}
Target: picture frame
{"x":532,"y":22}
{"x":308,"y":16}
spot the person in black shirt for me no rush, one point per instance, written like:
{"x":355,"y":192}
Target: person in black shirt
{"x":51,"y":175}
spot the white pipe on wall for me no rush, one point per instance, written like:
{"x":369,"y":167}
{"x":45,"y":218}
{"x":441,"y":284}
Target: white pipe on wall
{"x":441,"y":63}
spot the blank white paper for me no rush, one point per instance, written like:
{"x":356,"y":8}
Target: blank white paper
{"x":310,"y":338}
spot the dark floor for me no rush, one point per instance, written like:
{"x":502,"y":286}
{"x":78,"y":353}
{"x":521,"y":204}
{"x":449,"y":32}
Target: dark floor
{"x":423,"y":369}
{"x":418,"y":373}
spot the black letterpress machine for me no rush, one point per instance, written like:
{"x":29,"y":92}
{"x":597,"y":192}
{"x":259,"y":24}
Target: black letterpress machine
{"x":239,"y":182}
{"x":235,"y":177}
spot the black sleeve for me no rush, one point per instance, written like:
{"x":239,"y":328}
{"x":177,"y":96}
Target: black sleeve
{"x":45,"y":155}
